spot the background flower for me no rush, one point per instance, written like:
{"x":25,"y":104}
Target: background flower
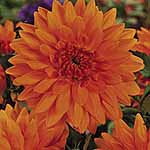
{"x":7,"y":34}
{"x":126,"y":138}
{"x":132,"y":12}
{"x":19,"y":131}
{"x":143,"y":44}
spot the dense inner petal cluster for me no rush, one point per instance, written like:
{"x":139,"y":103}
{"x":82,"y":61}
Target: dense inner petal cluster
{"x":74,"y":63}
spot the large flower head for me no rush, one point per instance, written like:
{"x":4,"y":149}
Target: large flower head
{"x":74,"y":62}
{"x":7,"y":34}
{"x":143,"y":44}
{"x":19,"y":132}
{"x":126,"y":138}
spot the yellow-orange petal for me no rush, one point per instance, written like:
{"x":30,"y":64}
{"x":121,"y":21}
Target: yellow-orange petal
{"x":80,"y":7}
{"x":109,"y":18}
{"x":45,"y":103}
{"x":70,"y":13}
{"x":140,"y":133}
{"x":30,"y":39}
{"x":44,"y":85}
{"x":29,"y":78}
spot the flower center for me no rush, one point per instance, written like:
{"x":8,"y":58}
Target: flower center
{"x":73,"y":62}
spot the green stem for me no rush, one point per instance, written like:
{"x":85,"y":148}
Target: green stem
{"x":87,"y":141}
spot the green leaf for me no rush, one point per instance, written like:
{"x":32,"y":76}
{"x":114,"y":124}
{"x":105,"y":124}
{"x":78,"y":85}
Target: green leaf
{"x":146,"y":91}
{"x":146,"y":71}
{"x":24,"y":104}
{"x":145,"y":100}
{"x":110,"y":127}
{"x":146,"y":104}
{"x":129,"y":110}
{"x":75,"y":139}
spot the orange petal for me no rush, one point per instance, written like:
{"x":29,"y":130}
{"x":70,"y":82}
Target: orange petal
{"x":29,"y":78}
{"x":113,"y":32}
{"x":23,"y":120}
{"x":18,"y":70}
{"x":89,"y":11}
{"x":45,"y":37}
{"x":140,"y":132}
{"x":80,"y":94}
{"x":43,"y":12}
{"x":131,"y":88}
{"x":78,"y":26}
{"x":24,"y":50}
{"x":33,"y":65}
{"x":94,"y":107}
{"x":78,"y":117}
{"x":45,"y":103}
{"x":65,"y":99}
{"x":53,"y":22}
{"x":128,"y":33}
{"x":44,"y":85}
{"x":70,"y":13}
{"x":109,"y":18}
{"x":65,"y":33}
{"x":4,"y":144}
{"x":126,"y":44}
{"x":47,"y":50}
{"x":80,"y":7}
{"x":124,"y":133}
{"x":26,"y":27}
{"x":59,"y":11}
{"x":17,"y":59}
{"x":30,"y":39}
{"x":40,"y":22}
{"x":53,"y":116}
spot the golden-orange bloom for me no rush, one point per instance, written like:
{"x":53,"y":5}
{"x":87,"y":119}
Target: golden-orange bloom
{"x":7,"y":34}
{"x":19,"y":132}
{"x":143,"y":45}
{"x":74,"y":63}
{"x":126,"y":138}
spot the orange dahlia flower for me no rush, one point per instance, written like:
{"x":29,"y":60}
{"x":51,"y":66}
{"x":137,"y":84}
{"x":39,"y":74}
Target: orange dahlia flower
{"x":126,"y":138}
{"x":19,"y":132}
{"x":74,"y":62}
{"x":7,"y":34}
{"x":143,"y":45}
